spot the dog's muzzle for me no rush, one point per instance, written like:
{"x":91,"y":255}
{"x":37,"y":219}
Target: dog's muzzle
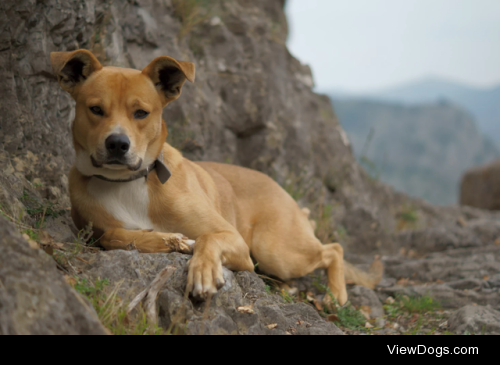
{"x":117,"y":148}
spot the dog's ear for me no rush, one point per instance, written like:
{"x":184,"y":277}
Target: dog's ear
{"x":72,"y":68}
{"x":169,"y":75}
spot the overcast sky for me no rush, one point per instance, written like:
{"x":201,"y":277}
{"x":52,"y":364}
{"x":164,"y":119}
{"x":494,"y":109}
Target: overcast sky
{"x":366,"y":45}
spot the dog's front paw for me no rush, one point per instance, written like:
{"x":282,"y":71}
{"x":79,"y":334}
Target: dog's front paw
{"x":176,"y":242}
{"x":205,"y":276}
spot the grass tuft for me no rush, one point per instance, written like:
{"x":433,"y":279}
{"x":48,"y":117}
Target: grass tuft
{"x":191,"y":13}
{"x":112,"y":310}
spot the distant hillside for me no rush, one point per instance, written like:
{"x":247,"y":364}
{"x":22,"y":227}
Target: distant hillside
{"x":483,"y":104}
{"x":421,"y":150}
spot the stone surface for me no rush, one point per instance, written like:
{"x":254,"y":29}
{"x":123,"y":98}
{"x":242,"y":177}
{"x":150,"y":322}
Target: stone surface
{"x":480,"y":187}
{"x":135,"y":271}
{"x":362,"y":297}
{"x":475,"y":320}
{"x":34,"y":298}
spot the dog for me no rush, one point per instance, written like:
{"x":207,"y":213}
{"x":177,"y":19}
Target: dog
{"x":141,"y":194}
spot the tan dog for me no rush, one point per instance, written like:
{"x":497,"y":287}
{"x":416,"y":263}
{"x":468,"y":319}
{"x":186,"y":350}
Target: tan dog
{"x":119,"y":183}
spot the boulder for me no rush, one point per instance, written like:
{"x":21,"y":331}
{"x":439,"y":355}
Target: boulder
{"x":475,"y":319}
{"x":34,"y":297}
{"x":223,"y":315}
{"x":366,"y":300}
{"x":480,"y":187}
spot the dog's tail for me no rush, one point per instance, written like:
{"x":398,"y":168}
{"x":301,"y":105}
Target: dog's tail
{"x":370,"y":279}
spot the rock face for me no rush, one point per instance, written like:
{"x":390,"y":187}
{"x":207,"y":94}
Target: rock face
{"x":34,"y":298}
{"x":270,"y":315}
{"x":252,"y":105}
{"x":475,"y":320}
{"x":480,"y":187}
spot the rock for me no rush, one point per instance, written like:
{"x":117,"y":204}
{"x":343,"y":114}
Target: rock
{"x":445,"y":295}
{"x":475,"y":320}
{"x":480,"y":187}
{"x":451,"y":265}
{"x":219,"y":316}
{"x":34,"y":298}
{"x":360,"y":296}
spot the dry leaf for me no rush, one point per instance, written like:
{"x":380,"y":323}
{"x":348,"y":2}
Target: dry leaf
{"x":366,"y":308}
{"x":439,"y":281}
{"x":368,"y":325}
{"x":71,"y":281}
{"x":403,"y":282}
{"x":272,"y":326}
{"x":33,"y":245}
{"x":45,"y":238}
{"x":390,"y":300}
{"x":248,"y":309}
{"x":332,"y":318}
{"x":300,"y":323}
{"x":497,"y":241}
{"x":462,"y":222}
{"x":82,"y":260}
{"x":319,"y":306}
{"x":48,"y":250}
{"x":310,"y":297}
{"x":365,"y":311}
{"x":486,"y":277}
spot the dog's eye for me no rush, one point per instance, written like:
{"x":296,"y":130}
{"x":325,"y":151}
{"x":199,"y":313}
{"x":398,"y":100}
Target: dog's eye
{"x":97,"y":111}
{"x":140,"y":114}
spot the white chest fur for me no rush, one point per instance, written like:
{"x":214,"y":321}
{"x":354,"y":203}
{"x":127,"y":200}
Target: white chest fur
{"x":126,"y":202}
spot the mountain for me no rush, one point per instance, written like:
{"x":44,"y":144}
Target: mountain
{"x":420,"y":149}
{"x":483,"y":104}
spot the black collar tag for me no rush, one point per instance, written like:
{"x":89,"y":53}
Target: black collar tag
{"x":162,"y":171}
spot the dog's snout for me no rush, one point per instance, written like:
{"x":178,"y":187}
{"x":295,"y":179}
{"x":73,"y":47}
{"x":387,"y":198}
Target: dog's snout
{"x":117,"y":145}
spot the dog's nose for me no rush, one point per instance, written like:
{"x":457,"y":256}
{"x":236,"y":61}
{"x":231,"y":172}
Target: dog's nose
{"x":117,"y":145}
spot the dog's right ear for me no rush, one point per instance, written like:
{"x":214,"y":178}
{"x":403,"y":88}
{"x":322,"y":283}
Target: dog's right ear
{"x":72,"y":68}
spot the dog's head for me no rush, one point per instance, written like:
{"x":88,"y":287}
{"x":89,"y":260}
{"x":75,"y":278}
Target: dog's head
{"x":118,"y":128}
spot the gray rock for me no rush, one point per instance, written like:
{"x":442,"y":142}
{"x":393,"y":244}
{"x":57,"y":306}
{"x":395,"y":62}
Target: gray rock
{"x":480,"y":187}
{"x":362,"y":296}
{"x":34,"y":298}
{"x":219,"y":316}
{"x":445,"y":295}
{"x":475,"y":320}
{"x":451,"y":265}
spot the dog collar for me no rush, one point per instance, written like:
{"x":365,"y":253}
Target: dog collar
{"x":162,"y":171}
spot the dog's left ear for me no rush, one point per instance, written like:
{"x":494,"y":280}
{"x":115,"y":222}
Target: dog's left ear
{"x":169,"y":75}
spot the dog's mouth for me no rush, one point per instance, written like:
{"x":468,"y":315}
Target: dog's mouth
{"x":116,"y":164}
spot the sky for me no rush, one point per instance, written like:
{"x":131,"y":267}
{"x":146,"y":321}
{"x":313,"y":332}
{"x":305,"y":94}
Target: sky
{"x":362,"y":46}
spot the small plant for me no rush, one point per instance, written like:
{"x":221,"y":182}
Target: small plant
{"x":418,"y":304}
{"x":191,"y":13}
{"x":39,"y":210}
{"x":415,"y":304}
{"x":112,"y":311}
{"x":407,"y":218}
{"x":32,"y":234}
{"x":286,"y":296}
{"x":348,"y":316}
{"x":298,"y":186}
{"x":324,"y":230}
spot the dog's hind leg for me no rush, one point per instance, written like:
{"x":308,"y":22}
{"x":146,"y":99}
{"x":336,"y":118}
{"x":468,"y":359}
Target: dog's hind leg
{"x":333,"y":261}
{"x":294,"y":251}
